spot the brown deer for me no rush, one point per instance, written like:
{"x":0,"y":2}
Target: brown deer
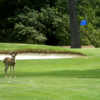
{"x":10,"y":62}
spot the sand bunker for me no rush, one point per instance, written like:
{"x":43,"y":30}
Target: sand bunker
{"x":26,"y":56}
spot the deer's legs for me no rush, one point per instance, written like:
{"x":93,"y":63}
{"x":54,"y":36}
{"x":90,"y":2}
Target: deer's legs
{"x":6,"y":69}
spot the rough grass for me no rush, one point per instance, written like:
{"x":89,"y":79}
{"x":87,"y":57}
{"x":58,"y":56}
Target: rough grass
{"x":20,"y":48}
{"x":24,"y":48}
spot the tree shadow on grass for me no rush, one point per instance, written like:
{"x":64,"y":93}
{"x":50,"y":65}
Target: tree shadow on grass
{"x":64,"y":73}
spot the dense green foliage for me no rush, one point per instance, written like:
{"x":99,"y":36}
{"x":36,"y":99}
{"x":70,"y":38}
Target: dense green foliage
{"x":91,"y":32}
{"x":47,"y":22}
{"x":31,"y":26}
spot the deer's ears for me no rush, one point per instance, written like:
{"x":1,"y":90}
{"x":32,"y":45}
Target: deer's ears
{"x":16,"y":53}
{"x":13,"y":53}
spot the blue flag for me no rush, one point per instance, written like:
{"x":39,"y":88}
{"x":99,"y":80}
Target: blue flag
{"x":83,"y":22}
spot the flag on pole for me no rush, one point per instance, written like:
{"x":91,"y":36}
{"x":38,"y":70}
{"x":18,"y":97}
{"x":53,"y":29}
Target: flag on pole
{"x":83,"y":22}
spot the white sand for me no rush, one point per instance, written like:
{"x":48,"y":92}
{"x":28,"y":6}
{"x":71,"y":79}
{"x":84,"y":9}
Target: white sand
{"x":26,"y":56}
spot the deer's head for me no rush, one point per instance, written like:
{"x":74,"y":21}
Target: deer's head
{"x":13,"y":54}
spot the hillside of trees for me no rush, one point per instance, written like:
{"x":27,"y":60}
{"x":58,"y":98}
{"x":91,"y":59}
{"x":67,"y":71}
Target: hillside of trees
{"x":47,"y":21}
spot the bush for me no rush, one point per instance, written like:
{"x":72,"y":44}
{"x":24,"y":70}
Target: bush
{"x":90,"y":35}
{"x":47,"y":26}
{"x":26,"y":27}
{"x":56,"y":26}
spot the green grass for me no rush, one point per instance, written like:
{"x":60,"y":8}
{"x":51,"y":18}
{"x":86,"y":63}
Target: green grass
{"x":58,"y":79}
{"x":62,"y":79}
{"x":18,"y":46}
{"x":6,"y":47}
{"x":38,"y":48}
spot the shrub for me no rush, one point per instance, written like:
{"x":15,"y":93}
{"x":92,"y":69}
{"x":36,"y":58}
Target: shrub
{"x":90,"y":35}
{"x":47,"y":26}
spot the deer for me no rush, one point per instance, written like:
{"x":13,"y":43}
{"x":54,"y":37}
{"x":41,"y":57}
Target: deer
{"x":10,"y":62}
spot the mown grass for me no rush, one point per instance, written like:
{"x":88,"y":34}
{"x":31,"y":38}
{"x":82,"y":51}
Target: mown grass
{"x":56,"y":79}
{"x":61,"y":79}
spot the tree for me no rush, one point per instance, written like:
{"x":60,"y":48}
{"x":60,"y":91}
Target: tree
{"x":55,"y":21}
{"x":74,"y":27}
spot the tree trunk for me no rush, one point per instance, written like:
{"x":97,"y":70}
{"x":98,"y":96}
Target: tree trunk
{"x":52,"y":3}
{"x":74,"y":27}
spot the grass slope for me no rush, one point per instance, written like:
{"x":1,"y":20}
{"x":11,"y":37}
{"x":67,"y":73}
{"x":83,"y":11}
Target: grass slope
{"x":18,"y":46}
{"x":7,"y":47}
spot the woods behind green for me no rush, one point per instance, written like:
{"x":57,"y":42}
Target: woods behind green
{"x":38,"y":22}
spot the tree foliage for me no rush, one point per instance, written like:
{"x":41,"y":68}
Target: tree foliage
{"x":32,"y":26}
{"x":46,"y":21}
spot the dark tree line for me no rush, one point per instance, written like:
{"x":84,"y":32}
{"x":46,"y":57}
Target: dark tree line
{"x":48,"y":22}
